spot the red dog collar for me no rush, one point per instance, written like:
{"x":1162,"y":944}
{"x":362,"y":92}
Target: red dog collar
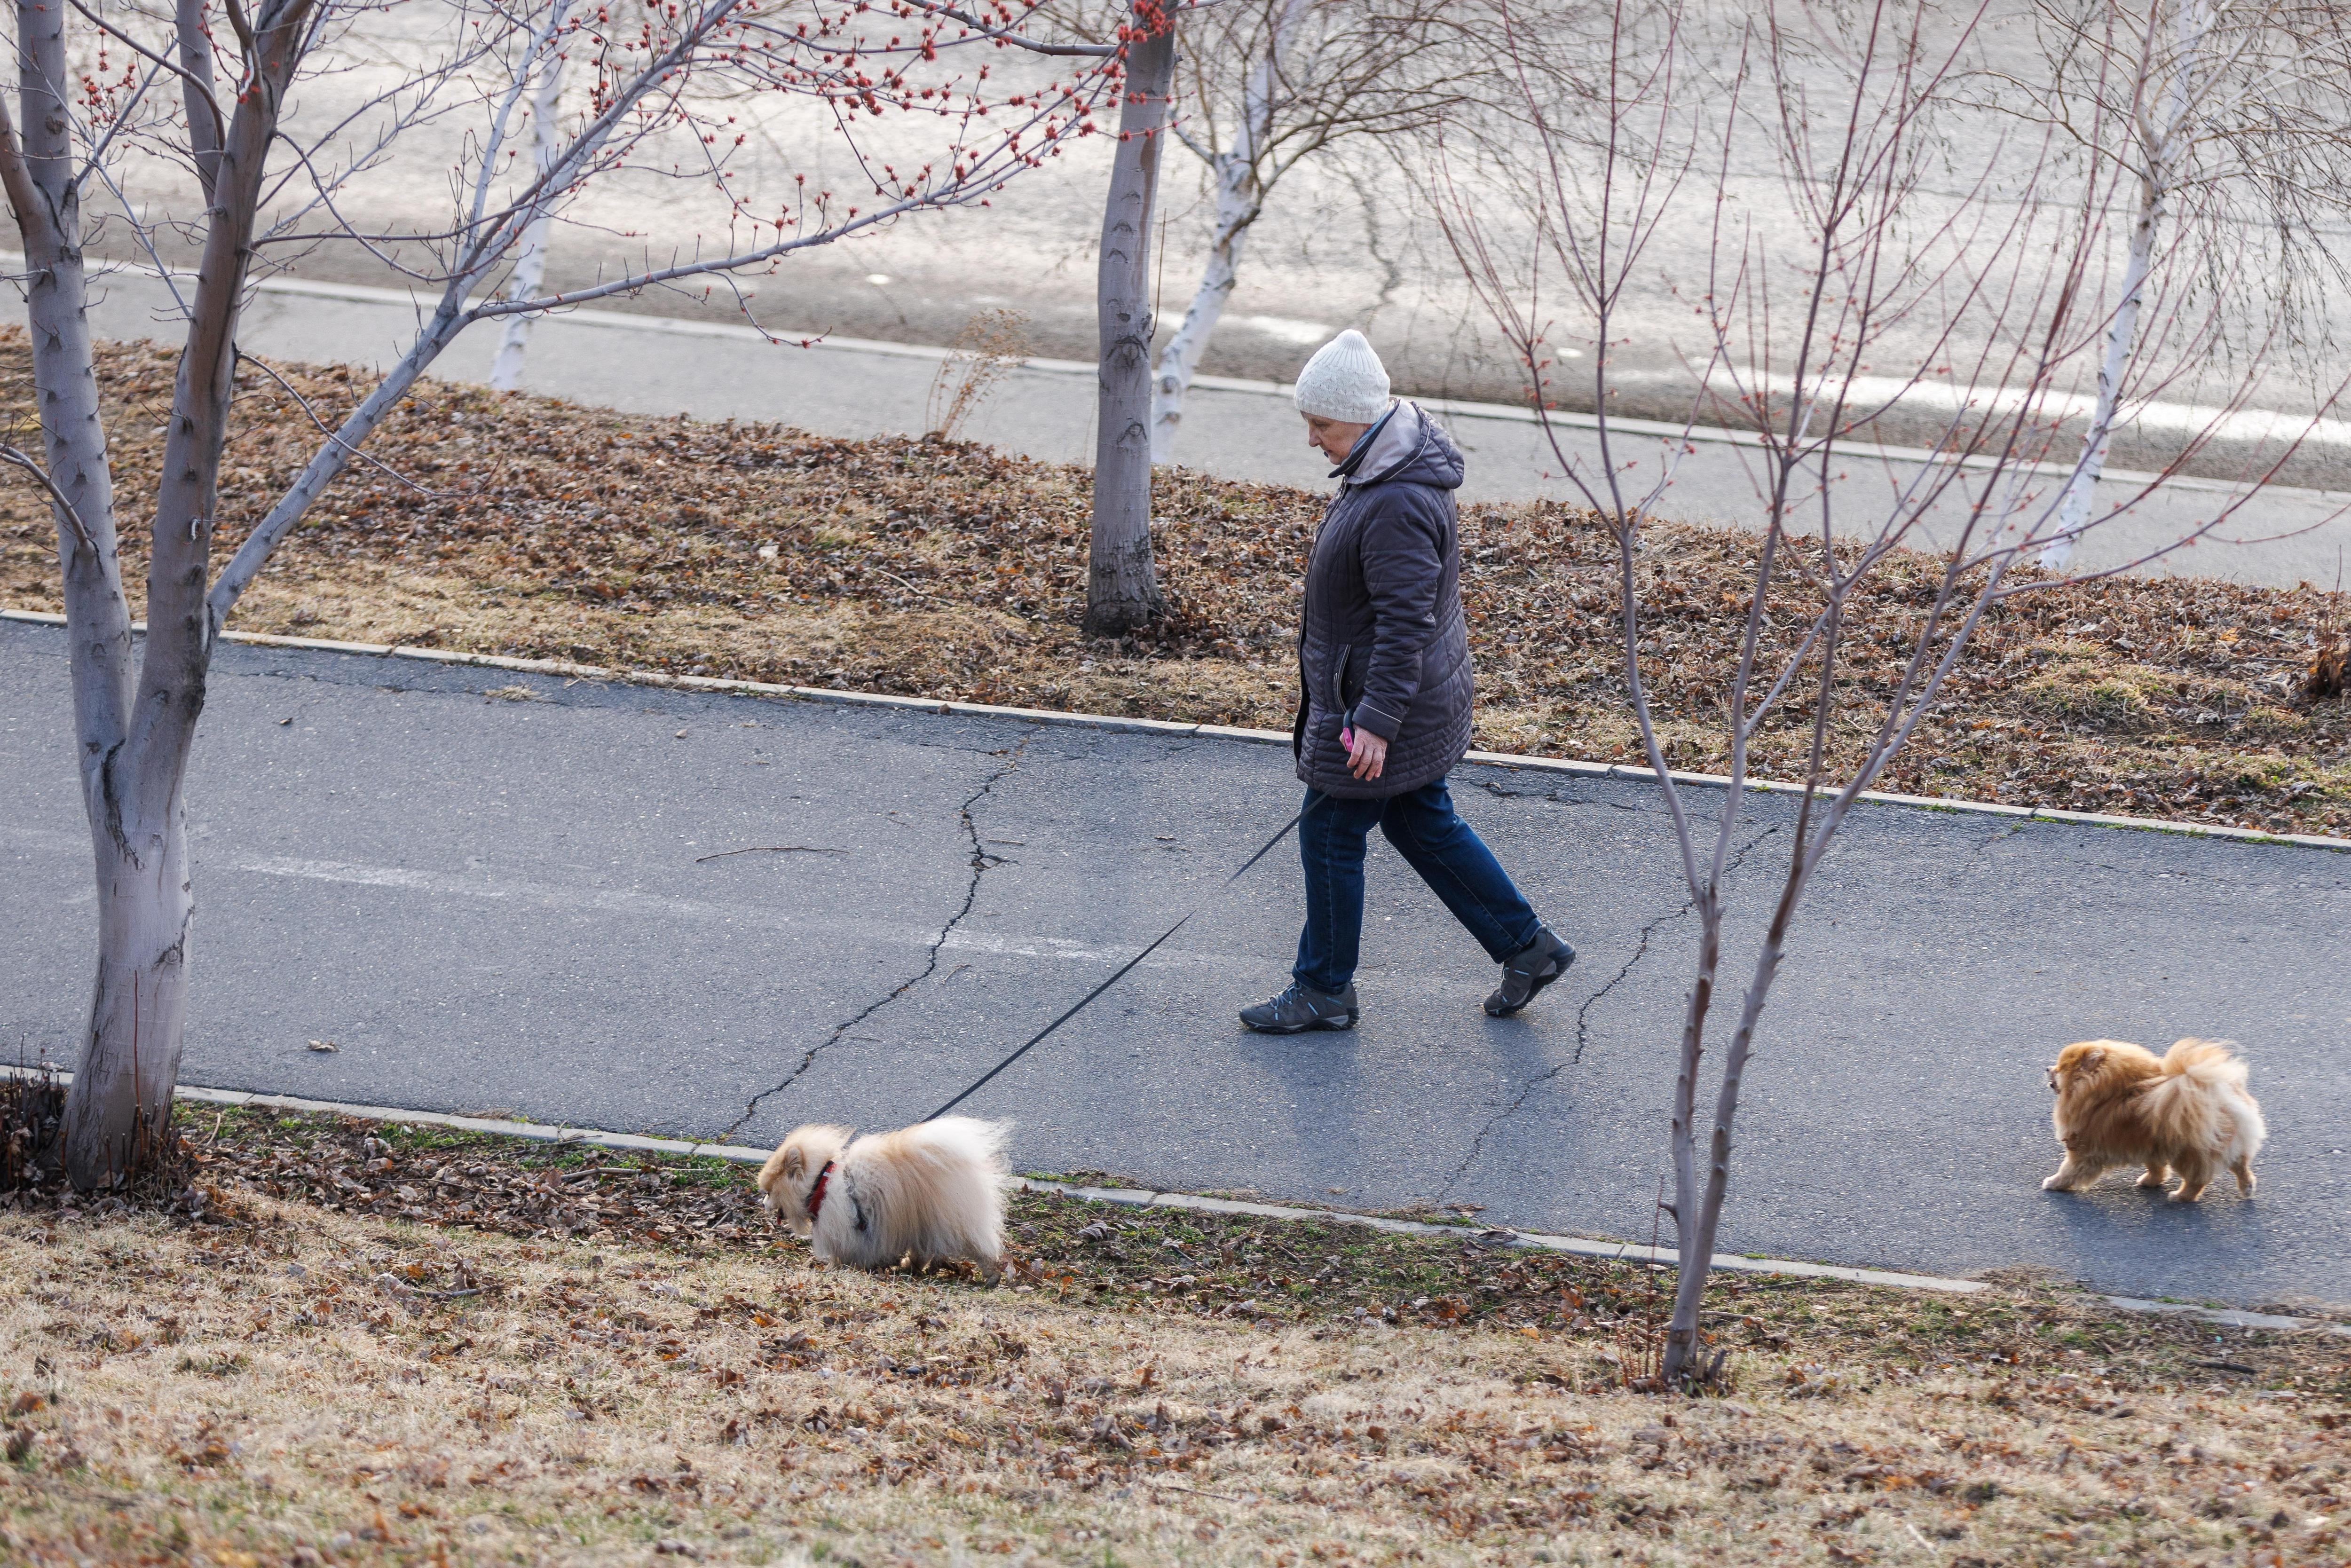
{"x":816,"y":1193}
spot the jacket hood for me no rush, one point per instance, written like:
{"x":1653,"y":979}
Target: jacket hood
{"x":1405,"y":447}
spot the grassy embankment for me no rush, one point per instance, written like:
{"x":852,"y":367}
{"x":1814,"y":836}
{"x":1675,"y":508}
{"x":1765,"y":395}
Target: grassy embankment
{"x":378,"y":1344}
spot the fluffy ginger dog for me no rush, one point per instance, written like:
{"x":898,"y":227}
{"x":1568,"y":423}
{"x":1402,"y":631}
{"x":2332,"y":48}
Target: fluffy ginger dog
{"x":932,"y":1192}
{"x":2187,"y":1111}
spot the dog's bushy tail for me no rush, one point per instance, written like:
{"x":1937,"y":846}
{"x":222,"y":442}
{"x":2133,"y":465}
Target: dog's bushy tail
{"x":941,"y":1184}
{"x":2209,"y":1063}
{"x":966,"y":1138}
{"x":2201,"y":1099}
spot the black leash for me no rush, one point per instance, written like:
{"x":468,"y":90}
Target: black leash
{"x":1085,"y":1000}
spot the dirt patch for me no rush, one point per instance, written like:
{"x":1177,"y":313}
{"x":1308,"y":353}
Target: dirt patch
{"x":368,"y":1377}
{"x":510,"y":524}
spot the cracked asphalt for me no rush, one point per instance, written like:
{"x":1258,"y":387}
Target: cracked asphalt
{"x":979,"y":861}
{"x":512,"y":893}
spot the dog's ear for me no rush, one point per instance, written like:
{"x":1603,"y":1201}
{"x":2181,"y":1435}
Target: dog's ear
{"x":2093,"y":1059}
{"x":795,"y":1162}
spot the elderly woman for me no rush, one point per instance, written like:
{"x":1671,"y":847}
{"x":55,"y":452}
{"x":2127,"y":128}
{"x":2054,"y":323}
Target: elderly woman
{"x":1384,"y":697}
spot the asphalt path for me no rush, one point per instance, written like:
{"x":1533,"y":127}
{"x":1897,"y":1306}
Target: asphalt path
{"x":700,"y":914}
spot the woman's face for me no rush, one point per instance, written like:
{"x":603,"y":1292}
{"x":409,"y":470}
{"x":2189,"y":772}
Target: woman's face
{"x":1335,"y":438}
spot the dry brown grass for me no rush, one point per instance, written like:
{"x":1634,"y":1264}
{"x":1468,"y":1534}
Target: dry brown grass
{"x":525,"y":526}
{"x":310,"y":1388}
{"x":276,"y":1382}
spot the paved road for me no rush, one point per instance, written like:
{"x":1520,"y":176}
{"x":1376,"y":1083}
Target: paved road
{"x":1239,"y":429}
{"x":495,"y":904}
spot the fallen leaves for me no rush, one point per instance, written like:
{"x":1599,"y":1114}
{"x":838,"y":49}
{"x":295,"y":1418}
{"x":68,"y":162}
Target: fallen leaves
{"x":2325,"y":678}
{"x":596,"y":1195}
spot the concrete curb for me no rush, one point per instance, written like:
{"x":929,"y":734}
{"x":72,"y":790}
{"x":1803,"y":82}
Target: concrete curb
{"x":1577,"y":1246}
{"x":1139,"y":1197}
{"x":736,"y":1154}
{"x":1513,"y":760}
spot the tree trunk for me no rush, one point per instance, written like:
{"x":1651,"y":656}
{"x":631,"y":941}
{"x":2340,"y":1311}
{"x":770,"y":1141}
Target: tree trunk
{"x":1240,"y":196}
{"x":1122,"y":588}
{"x":530,"y":261}
{"x":120,"y":1104}
{"x":45,"y":199}
{"x":1683,"y":1358}
{"x":2195,"y":23}
{"x":1180,"y":360}
{"x":1692,"y":1260}
{"x":1696,"y":1231}
{"x":134,"y":748}
{"x":2081,"y":490}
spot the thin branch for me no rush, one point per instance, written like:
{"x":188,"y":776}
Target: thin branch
{"x":201,"y":87}
{"x":120,"y":120}
{"x":15,"y":458}
{"x":1019,"y":40}
{"x":246,"y":357}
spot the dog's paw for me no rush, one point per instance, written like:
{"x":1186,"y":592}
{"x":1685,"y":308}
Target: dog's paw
{"x":2056,"y":1184}
{"x":2151,"y":1181}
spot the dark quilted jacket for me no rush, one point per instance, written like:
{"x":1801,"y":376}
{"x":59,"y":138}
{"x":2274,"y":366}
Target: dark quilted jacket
{"x":1383,"y":632}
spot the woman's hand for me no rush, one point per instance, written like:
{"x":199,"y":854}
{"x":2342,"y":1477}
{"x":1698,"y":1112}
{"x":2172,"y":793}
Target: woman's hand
{"x":1367,"y":755}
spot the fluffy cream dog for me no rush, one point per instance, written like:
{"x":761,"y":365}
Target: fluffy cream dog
{"x":934,"y":1191}
{"x":2186,"y":1111}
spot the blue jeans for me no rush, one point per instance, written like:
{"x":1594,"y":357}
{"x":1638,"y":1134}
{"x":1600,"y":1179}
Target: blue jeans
{"x":1445,"y":851}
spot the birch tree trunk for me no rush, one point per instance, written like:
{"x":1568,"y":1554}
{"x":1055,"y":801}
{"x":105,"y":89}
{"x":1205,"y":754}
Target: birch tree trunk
{"x":1237,"y":208}
{"x":135,"y":753}
{"x":531,"y":260}
{"x":45,"y":197}
{"x":120,"y":1104}
{"x":1241,"y":197}
{"x":2160,"y":153}
{"x":1121,"y":586}
{"x":2081,"y":490}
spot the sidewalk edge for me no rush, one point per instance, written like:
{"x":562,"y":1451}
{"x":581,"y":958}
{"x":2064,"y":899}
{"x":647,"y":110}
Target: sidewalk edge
{"x":1141,"y":1197}
{"x":736,"y":1154}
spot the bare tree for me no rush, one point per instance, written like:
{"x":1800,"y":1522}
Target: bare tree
{"x":205,"y":94}
{"x":1121,"y":581}
{"x":1269,"y":84}
{"x":529,"y":269}
{"x":1887,"y":294}
{"x":2230,"y":120}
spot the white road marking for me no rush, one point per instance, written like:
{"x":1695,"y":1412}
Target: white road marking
{"x":616,"y":901}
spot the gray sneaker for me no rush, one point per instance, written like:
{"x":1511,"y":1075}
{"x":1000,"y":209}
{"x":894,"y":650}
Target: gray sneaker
{"x":1529,"y":970}
{"x":1298,"y":1009}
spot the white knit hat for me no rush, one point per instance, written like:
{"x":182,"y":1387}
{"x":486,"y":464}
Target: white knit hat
{"x":1344,"y":380}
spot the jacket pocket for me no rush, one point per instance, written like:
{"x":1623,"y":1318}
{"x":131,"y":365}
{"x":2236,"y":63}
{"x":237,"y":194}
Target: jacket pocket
{"x":1348,"y":674}
{"x":1298,"y":723}
{"x":1448,"y":651}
